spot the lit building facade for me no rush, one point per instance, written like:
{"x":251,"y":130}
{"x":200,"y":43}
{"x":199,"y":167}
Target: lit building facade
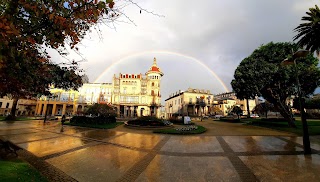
{"x":224,"y":102}
{"x":25,"y":107}
{"x":192,"y":102}
{"x":130,"y":95}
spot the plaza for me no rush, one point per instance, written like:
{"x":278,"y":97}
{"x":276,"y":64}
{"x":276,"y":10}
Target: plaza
{"x":226,"y":152}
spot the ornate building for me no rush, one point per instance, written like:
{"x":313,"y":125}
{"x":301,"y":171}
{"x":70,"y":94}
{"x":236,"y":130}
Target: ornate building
{"x":130,"y":95}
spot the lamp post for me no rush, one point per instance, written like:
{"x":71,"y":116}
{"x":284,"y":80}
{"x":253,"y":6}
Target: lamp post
{"x":45,"y":114}
{"x":306,"y":140}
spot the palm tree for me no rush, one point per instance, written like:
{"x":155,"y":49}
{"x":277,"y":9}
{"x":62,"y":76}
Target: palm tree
{"x":309,"y":32}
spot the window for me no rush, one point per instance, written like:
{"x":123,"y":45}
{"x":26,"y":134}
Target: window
{"x":0,"y":104}
{"x":190,"y":100}
{"x":7,"y":106}
{"x":152,"y":84}
{"x":152,"y":92}
{"x":175,"y":102}
{"x":125,"y":90}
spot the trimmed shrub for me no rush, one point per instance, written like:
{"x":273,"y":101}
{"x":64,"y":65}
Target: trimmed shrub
{"x":147,"y":121}
{"x":229,"y":119}
{"x":93,"y":120}
{"x":175,"y":120}
{"x":313,"y":115}
{"x":149,"y":118}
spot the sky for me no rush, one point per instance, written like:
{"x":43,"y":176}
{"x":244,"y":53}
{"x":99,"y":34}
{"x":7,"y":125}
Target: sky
{"x":197,"y":44}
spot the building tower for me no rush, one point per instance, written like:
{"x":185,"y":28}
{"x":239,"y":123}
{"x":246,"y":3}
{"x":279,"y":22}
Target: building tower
{"x":154,"y":75}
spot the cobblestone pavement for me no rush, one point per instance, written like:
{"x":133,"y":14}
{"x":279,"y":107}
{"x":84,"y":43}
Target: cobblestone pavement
{"x":226,"y":152}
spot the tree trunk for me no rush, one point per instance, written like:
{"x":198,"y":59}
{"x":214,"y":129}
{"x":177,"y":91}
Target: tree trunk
{"x":14,"y":108}
{"x":266,"y":114}
{"x":248,"y":109}
{"x":286,"y":114}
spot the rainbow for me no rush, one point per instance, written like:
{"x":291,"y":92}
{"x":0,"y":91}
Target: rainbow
{"x":163,"y":52}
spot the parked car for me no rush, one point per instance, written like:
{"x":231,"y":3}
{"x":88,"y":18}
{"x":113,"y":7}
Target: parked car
{"x":205,"y":117}
{"x":254,"y":115}
{"x":218,"y":116}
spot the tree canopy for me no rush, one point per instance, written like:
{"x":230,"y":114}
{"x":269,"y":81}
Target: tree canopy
{"x":263,"y":74}
{"x":103,"y":110}
{"x":29,"y":27}
{"x":309,"y":31}
{"x":237,"y":110}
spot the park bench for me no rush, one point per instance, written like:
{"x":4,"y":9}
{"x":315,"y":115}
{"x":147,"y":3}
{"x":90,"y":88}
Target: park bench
{"x":8,"y":147}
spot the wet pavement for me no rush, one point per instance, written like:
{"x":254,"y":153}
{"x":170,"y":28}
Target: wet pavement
{"x":226,"y":152}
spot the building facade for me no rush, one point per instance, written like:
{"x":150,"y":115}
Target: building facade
{"x":130,"y":95}
{"x":25,"y":107}
{"x":192,"y":102}
{"x":224,"y":103}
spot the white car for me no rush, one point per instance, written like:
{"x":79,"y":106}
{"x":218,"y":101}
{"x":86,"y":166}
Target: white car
{"x":254,"y":116}
{"x":218,"y":116}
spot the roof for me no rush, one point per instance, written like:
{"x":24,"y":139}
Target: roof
{"x":154,"y":68}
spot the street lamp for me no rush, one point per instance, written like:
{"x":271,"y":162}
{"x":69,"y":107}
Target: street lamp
{"x":292,"y":60}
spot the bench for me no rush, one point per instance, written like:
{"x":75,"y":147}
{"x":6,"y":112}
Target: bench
{"x":8,"y":147}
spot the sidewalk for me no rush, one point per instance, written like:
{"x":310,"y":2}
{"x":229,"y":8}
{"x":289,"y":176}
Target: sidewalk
{"x":227,"y":152}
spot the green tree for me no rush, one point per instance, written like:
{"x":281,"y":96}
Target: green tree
{"x":310,"y":103}
{"x":237,"y":110}
{"x":28,"y":78}
{"x":272,"y":80}
{"x":100,"y":110}
{"x":264,"y":108}
{"x":242,"y":84}
{"x":308,"y":33}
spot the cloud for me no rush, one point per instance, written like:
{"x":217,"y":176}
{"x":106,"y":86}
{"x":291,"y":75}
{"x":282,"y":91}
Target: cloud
{"x":219,"y":33}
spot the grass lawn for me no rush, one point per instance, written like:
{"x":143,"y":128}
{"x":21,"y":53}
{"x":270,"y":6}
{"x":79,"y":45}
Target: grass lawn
{"x":103,"y":126}
{"x":200,"y":129}
{"x":17,"y":170}
{"x":313,"y":126}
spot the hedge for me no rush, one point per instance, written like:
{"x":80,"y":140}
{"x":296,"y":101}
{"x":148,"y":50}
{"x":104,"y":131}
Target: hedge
{"x":93,"y":120}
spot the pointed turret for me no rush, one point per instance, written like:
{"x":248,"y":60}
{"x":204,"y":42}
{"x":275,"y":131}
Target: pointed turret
{"x":154,"y":68}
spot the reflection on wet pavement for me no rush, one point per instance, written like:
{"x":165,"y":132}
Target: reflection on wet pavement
{"x":68,"y":130}
{"x":97,"y":163}
{"x":87,"y":155}
{"x":54,"y":145}
{"x":192,"y":144}
{"x":284,"y":167}
{"x":98,"y":134}
{"x":17,"y":131}
{"x":30,"y":137}
{"x":137,"y":140}
{"x":259,"y":143}
{"x":314,"y":143}
{"x":170,"y":168}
